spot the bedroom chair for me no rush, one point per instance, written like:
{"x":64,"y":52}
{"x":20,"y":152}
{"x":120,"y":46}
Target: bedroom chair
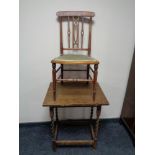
{"x":78,"y":41}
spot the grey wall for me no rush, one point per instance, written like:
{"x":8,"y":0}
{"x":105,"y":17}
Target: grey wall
{"x":112,"y":45}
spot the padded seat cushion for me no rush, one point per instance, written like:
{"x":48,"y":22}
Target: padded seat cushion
{"x":75,"y":59}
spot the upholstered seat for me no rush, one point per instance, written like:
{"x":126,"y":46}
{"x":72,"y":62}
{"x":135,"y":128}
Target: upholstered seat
{"x":74,"y":59}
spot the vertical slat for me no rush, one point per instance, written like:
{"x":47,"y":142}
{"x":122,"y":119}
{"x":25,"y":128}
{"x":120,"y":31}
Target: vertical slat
{"x":68,"y":33}
{"x":73,"y":37}
{"x":89,"y":39}
{"x":82,"y":33}
{"x":61,"y":37}
{"x":77,"y":32}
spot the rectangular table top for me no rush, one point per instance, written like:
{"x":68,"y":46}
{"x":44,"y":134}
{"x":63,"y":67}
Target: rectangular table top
{"x":74,"y":95}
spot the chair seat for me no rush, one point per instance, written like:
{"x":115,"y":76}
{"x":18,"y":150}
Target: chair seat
{"x":74,"y":59}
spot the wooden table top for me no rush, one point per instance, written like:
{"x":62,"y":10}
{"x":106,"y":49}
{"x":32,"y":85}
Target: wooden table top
{"x":74,"y":95}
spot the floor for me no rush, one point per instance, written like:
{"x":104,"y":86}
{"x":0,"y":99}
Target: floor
{"x":113,"y":139}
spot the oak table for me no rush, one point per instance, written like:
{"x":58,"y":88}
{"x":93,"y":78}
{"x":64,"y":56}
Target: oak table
{"x":74,"y":95}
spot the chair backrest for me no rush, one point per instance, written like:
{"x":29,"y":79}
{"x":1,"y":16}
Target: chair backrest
{"x":75,"y":21}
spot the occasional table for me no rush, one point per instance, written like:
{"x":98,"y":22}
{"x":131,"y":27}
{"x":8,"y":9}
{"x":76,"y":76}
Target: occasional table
{"x":74,"y":95}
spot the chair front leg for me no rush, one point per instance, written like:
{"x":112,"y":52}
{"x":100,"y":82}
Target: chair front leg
{"x":88,"y":73}
{"x":95,"y":80}
{"x":54,"y":80}
{"x":62,"y":66}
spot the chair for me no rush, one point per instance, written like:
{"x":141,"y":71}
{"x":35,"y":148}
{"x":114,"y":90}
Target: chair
{"x":74,"y":22}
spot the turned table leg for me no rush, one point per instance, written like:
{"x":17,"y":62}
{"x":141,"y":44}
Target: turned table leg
{"x":98,"y":112}
{"x":54,"y":80}
{"x":91,"y":114}
{"x":52,"y":128}
{"x":95,"y":80}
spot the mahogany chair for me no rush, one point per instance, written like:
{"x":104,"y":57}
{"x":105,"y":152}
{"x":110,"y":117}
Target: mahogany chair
{"x":75,"y":22}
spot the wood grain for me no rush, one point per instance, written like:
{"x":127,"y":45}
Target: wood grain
{"x":74,"y":95}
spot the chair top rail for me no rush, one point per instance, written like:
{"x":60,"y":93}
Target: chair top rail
{"x":75,"y":13}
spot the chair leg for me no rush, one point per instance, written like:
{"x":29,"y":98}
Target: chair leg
{"x":54,"y":80}
{"x":98,"y":112}
{"x":88,"y":72}
{"x":62,"y":68}
{"x":95,"y":80}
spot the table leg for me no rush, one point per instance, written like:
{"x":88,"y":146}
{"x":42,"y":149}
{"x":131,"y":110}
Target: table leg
{"x":98,"y":112}
{"x":91,"y":114}
{"x":95,"y":80}
{"x":54,"y":80}
{"x":52,"y":128}
{"x":56,"y":112}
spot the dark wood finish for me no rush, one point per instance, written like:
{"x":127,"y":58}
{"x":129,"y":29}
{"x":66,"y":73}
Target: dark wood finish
{"x":69,"y":95}
{"x":98,"y":112}
{"x":94,"y":80}
{"x":75,"y":17}
{"x":128,"y":110}
{"x":86,"y":92}
{"x":94,"y":134}
{"x":74,"y":95}
{"x":52,"y":121}
{"x":75,"y":20}
{"x":52,"y":126}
